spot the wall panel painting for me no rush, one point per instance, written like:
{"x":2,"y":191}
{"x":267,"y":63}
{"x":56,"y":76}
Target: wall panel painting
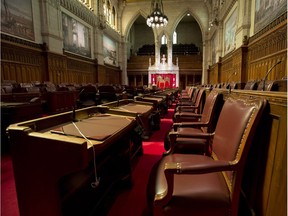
{"x":230,"y":32}
{"x":17,"y":18}
{"x":268,"y":10}
{"x":109,"y":51}
{"x":76,"y":36}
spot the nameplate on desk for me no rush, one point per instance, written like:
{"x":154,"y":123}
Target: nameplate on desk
{"x":96,"y":128}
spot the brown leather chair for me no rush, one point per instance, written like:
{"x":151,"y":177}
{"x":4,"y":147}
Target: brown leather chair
{"x":188,"y":99}
{"x":192,"y":108}
{"x":269,"y":84}
{"x":190,"y":184}
{"x":203,"y":123}
{"x":251,"y":85}
{"x":280,"y":85}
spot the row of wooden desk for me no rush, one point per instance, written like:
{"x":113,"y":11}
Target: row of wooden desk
{"x":57,"y":159}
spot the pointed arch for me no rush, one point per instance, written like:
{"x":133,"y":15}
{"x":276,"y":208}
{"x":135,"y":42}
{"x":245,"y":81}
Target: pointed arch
{"x":131,"y":22}
{"x":194,"y":15}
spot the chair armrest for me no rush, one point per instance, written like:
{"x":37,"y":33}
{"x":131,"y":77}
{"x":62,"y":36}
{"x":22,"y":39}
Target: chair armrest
{"x":191,"y":114}
{"x":174,"y":134}
{"x":187,"y":107}
{"x":176,"y":125}
{"x":200,"y":167}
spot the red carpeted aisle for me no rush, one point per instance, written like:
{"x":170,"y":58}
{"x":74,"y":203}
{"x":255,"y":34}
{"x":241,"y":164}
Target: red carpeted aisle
{"x":133,"y":202}
{"x":127,"y":202}
{"x":9,"y":203}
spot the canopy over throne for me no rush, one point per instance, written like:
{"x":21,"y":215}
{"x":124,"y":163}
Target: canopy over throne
{"x":163,"y":75}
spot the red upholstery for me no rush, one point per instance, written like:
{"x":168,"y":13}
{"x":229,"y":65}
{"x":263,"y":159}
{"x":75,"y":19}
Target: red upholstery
{"x":202,"y":124}
{"x":251,"y":85}
{"x":189,"y":184}
{"x":194,"y":105}
{"x":187,"y":113}
{"x":188,"y":99}
{"x":268,"y":85}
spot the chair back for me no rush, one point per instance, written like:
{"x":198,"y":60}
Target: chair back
{"x":251,"y":85}
{"x":209,"y":115}
{"x":194,"y":95}
{"x":233,"y":136}
{"x":268,"y":85}
{"x":199,"y":99}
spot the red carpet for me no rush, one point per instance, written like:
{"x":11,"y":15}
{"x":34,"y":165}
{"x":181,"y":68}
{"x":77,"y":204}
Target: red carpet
{"x":128,"y":202}
{"x":9,"y":204}
{"x":133,"y":202}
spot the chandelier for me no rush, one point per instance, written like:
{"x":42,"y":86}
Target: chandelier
{"x":157,"y":18}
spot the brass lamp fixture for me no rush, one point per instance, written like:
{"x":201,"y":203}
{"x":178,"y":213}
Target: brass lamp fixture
{"x":157,"y":18}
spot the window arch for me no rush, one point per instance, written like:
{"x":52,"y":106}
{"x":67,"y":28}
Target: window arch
{"x":163,"y":40}
{"x":113,"y":21}
{"x":174,"y":37}
{"x":109,"y":13}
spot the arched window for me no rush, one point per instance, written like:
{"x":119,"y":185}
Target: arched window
{"x":108,"y":12}
{"x":104,"y":8}
{"x":113,"y":23}
{"x":163,"y":40}
{"x":174,"y":37}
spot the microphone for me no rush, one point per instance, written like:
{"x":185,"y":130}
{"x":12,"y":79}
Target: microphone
{"x":234,"y":73}
{"x":73,"y":107}
{"x":268,"y":72}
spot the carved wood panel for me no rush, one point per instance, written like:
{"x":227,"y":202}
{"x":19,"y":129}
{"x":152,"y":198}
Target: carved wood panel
{"x":20,"y":63}
{"x":265,"y":178}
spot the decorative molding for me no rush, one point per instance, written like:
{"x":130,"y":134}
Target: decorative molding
{"x":281,"y":19}
{"x":81,"y":11}
{"x":19,"y":41}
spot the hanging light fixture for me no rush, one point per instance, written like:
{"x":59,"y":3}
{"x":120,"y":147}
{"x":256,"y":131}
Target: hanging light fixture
{"x":157,"y":18}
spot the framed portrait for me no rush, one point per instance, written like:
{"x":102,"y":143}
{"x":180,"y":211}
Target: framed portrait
{"x":17,"y":18}
{"x":109,"y":51}
{"x":76,"y":36}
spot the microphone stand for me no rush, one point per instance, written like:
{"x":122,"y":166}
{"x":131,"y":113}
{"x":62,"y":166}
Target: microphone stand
{"x":234,"y":73}
{"x":73,"y":107}
{"x":268,"y":72}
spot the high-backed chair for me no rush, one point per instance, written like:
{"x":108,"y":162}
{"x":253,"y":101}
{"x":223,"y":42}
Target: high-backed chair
{"x":186,"y":110}
{"x":203,"y":123}
{"x":189,"y":98}
{"x":190,"y":184}
{"x":87,"y":96}
{"x":269,"y":84}
{"x":107,"y":93}
{"x":280,"y":85}
{"x":251,"y":85}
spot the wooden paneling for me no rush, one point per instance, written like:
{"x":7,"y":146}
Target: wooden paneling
{"x":233,"y":67}
{"x":265,"y":177}
{"x":109,"y":75}
{"x":266,"y":48}
{"x":21,"y":62}
{"x":214,"y":73}
{"x":274,"y":200}
{"x":25,"y":62}
{"x":255,"y":57}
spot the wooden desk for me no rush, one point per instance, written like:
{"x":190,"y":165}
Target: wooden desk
{"x":53,"y":171}
{"x":12,"y":112}
{"x":159,"y":102}
{"x":142,"y":111}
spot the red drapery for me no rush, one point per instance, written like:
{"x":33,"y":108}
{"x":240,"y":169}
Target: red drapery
{"x":164,"y":80}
